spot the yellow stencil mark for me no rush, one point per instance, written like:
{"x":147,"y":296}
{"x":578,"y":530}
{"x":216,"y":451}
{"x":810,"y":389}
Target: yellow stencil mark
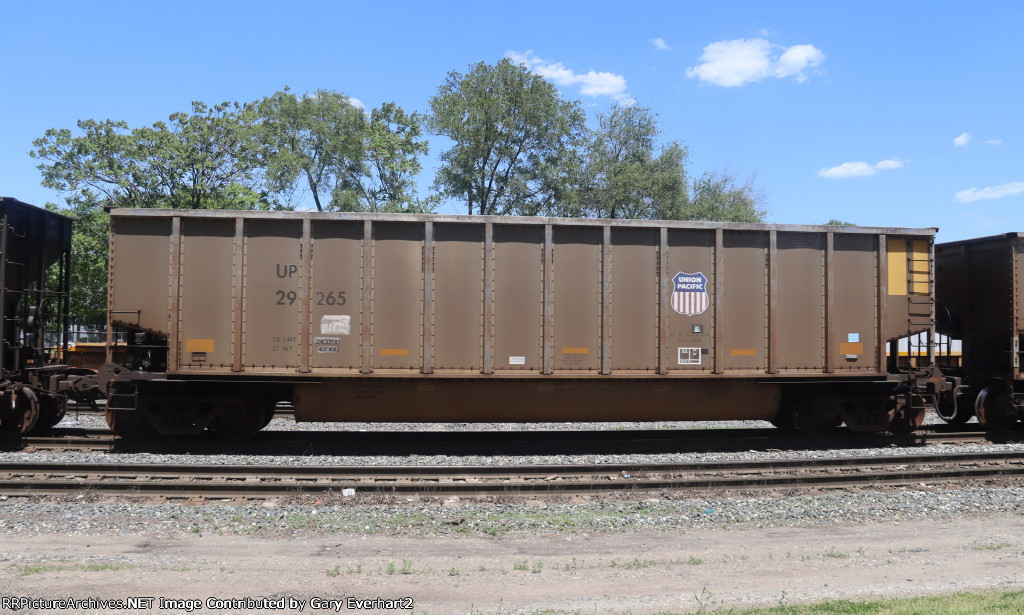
{"x":573,"y":350}
{"x":394,"y":352}
{"x":743,"y":352}
{"x":198,"y":345}
{"x":896,"y":250}
{"x":851,"y":347}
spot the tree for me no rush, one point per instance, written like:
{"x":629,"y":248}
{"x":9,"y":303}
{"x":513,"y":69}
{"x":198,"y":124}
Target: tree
{"x":89,"y":249}
{"x":513,"y":137}
{"x":624,"y":177}
{"x":386,"y":180}
{"x":348,"y":161}
{"x":717,"y":196}
{"x":318,"y":138}
{"x":838,"y":222}
{"x":203,"y":159}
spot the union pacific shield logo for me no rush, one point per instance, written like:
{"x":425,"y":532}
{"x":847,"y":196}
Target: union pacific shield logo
{"x":690,"y":293}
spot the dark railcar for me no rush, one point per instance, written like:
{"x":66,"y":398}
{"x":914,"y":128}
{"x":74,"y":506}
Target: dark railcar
{"x":35,"y":248}
{"x":980,"y":300}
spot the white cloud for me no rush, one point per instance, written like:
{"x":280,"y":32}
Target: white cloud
{"x":591,"y":83}
{"x":992,"y":192}
{"x":860,"y":169}
{"x":795,"y":60}
{"x":734,"y":63}
{"x":994,"y":142}
{"x":659,"y":43}
{"x":848,"y":169}
{"x":889,"y":164}
{"x":962,"y":140}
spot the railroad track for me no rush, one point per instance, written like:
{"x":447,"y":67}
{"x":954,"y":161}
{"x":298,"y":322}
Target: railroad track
{"x":492,"y":443}
{"x":273,"y":481}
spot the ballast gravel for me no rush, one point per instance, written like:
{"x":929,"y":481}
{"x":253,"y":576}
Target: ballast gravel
{"x":414,"y":516}
{"x":372,"y":513}
{"x":610,"y":554}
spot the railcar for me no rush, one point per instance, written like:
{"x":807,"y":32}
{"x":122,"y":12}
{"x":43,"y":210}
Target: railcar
{"x":980,"y":300}
{"x":373,"y":317}
{"x":35,"y":247}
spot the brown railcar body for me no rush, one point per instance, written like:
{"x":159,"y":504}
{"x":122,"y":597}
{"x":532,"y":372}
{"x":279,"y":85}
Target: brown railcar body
{"x":459,"y":318}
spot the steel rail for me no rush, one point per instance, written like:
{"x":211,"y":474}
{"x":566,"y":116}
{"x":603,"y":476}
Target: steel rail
{"x":322,"y":443}
{"x":178,"y":480}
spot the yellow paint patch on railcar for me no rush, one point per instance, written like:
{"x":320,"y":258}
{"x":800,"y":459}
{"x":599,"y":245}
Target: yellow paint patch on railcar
{"x":199,"y":345}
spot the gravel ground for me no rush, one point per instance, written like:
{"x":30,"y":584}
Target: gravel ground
{"x":371,"y":513}
{"x":620,"y":553}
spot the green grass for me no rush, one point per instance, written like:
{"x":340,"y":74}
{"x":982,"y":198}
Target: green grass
{"x":980,"y":603}
{"x":973,"y":603}
{"x":989,"y":546}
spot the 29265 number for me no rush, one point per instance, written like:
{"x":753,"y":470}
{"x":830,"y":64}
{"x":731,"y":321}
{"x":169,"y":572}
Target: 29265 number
{"x":322,"y":298}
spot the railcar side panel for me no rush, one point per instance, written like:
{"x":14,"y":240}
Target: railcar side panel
{"x":855,"y":333}
{"x":633,"y":304}
{"x":743,"y":322}
{"x":518,"y":298}
{"x":577,"y":300}
{"x":336,"y":317}
{"x":273,"y":292}
{"x":800,"y":288}
{"x":208,"y":317}
{"x":397,"y":298}
{"x":458,"y":307}
{"x":692,"y":336}
{"x":141,"y":244}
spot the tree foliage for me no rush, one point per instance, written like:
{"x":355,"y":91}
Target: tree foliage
{"x":519,"y":148}
{"x":719,"y":196}
{"x":89,"y":249}
{"x":347,"y":161}
{"x":514,"y":139}
{"x":386,"y":182}
{"x":203,"y":159}
{"x":624,"y":177}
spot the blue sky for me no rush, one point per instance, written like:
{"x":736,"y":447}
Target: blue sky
{"x":881,"y":113}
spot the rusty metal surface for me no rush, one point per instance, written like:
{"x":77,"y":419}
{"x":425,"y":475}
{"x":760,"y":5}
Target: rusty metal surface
{"x":314,"y":294}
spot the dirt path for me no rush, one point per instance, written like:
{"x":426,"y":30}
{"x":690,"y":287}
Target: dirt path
{"x":641,"y":573}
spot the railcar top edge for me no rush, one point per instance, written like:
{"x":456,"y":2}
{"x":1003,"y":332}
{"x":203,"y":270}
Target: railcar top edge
{"x":517,"y":220}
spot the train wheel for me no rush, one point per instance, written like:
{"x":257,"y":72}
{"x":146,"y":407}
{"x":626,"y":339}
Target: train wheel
{"x":784,"y":418}
{"x":995,"y":410}
{"x":24,"y":412}
{"x":239,"y":417}
{"x":269,"y":408}
{"x":51,"y":410}
{"x":129,"y":423}
{"x":810,"y":420}
{"x":909,"y":416}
